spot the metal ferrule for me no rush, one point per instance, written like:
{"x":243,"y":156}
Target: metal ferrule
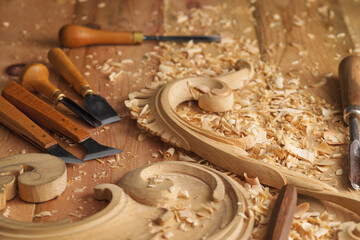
{"x":349,"y":110}
{"x":86,"y":90}
{"x":57,"y":95}
{"x":138,"y":37}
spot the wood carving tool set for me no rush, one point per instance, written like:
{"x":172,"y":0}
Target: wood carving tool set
{"x":35,"y":77}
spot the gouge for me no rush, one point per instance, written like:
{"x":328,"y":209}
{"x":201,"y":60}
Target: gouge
{"x":97,"y":105}
{"x":349,"y":74}
{"x":72,"y":35}
{"x":282,"y":214}
{"x":35,"y":78}
{"x":15,"y":120}
{"x":48,"y":117}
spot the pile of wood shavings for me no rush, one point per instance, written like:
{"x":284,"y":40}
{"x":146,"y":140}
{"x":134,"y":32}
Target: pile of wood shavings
{"x":282,"y":123}
{"x":287,"y":126}
{"x":306,"y":225}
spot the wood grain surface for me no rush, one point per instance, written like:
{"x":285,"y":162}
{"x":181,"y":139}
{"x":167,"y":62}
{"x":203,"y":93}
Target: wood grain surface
{"x":28,"y":29}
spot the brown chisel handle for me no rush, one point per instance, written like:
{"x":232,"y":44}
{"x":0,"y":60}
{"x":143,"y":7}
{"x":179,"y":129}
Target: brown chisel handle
{"x":42,"y":113}
{"x":349,"y":74}
{"x":67,"y":69}
{"x":72,"y":35}
{"x":15,"y":120}
{"x":35,"y":78}
{"x":282,"y":214}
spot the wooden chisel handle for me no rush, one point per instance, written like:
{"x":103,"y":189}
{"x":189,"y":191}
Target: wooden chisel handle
{"x":35,"y":78}
{"x":73,"y":35}
{"x":67,"y":69}
{"x":349,"y":73}
{"x":42,"y":113}
{"x":15,"y":120}
{"x":282,"y":214}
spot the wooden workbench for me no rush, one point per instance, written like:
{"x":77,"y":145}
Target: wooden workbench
{"x":28,"y":29}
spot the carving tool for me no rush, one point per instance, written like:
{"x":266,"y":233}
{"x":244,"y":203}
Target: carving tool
{"x":73,"y":35}
{"x":15,"y":120}
{"x":97,"y":105}
{"x":282,"y":214}
{"x":48,"y":117}
{"x":35,"y":78}
{"x":349,"y":73}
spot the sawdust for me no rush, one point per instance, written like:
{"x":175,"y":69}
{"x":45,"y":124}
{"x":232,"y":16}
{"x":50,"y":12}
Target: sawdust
{"x":290,"y":127}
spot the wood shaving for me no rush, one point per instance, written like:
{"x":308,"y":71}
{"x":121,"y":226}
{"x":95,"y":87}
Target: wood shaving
{"x":43,"y":214}
{"x":169,"y":153}
{"x":101,"y":5}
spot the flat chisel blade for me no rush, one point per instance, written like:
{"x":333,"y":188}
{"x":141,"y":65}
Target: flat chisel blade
{"x":101,"y":109}
{"x":60,"y":152}
{"x":75,"y":108}
{"x":96,"y":150}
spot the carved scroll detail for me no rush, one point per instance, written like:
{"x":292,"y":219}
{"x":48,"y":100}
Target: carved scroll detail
{"x":204,"y":203}
{"x":162,"y":120}
{"x":38,"y":177}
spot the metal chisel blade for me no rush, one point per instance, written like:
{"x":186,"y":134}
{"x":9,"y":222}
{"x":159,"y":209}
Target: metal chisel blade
{"x":185,"y":38}
{"x":75,"y":108}
{"x":354,"y":153}
{"x":96,"y":150}
{"x":101,"y":109}
{"x":60,"y":152}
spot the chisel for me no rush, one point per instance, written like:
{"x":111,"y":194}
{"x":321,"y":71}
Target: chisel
{"x":15,"y":120}
{"x":96,"y":104}
{"x":349,"y":74}
{"x":53,"y":120}
{"x":35,"y":78}
{"x":73,"y":35}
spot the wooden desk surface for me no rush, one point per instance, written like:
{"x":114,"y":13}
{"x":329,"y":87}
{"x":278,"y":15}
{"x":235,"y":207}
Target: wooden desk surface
{"x":28,"y":29}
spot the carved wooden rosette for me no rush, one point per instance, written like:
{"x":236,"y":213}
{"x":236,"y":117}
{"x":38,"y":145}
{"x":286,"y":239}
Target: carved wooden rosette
{"x":162,"y":120}
{"x":174,"y":200}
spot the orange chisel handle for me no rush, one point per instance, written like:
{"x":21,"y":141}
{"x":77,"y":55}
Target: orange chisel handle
{"x":73,"y":35}
{"x":35,"y":78}
{"x":15,"y":120}
{"x":43,"y":113}
{"x":68,"y":70}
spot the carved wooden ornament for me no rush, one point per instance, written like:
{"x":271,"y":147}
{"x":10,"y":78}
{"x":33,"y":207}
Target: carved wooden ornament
{"x":161,"y":101}
{"x":36,"y":177}
{"x":168,"y":200}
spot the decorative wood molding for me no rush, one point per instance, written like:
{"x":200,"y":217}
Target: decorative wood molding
{"x":176,"y":200}
{"x":162,"y":120}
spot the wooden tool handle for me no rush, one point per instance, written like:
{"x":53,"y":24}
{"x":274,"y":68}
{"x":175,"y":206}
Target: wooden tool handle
{"x":72,"y":35}
{"x":349,"y":74}
{"x":15,"y":120}
{"x":282,"y":214}
{"x":42,"y":113}
{"x":67,"y":69}
{"x":35,"y":78}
